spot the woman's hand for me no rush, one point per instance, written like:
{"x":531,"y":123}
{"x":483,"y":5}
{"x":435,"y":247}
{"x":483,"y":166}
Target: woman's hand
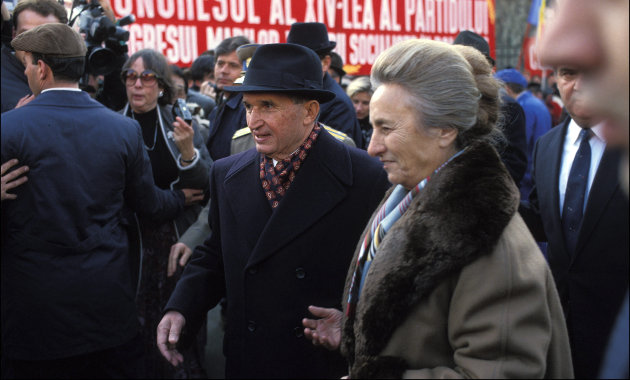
{"x":183,"y":134}
{"x":325,"y":331}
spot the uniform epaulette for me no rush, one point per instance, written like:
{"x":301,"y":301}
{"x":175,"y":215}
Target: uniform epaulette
{"x":241,"y":132}
{"x":335,"y":133}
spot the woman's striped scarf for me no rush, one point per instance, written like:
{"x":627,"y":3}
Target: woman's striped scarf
{"x":396,"y":205}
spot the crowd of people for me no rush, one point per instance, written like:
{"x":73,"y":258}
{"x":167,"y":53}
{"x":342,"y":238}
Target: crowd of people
{"x":437,"y":218}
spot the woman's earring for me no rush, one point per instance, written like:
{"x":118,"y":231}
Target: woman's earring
{"x":161,"y":94}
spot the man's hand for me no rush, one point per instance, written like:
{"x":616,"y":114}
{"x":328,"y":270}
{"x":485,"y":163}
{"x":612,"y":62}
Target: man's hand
{"x":325,"y":331}
{"x":26,"y":99}
{"x":192,"y":196}
{"x":168,"y":333}
{"x":177,"y":250}
{"x":207,"y":88}
{"x":9,"y":181}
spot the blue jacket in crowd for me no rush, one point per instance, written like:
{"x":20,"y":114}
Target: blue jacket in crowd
{"x":67,"y":287}
{"x":537,"y":123}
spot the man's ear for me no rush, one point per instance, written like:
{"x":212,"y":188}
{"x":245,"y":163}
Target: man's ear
{"x":43,"y":70}
{"x":312,"y":111}
{"x":326,"y":63}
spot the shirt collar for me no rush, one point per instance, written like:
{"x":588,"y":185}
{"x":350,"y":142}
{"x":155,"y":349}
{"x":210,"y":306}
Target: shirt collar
{"x":574,"y":130}
{"x":62,"y":89}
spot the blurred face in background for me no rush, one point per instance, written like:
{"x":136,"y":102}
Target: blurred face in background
{"x":361,"y":102}
{"x":227,"y":69}
{"x":593,"y":37}
{"x":143,"y":92}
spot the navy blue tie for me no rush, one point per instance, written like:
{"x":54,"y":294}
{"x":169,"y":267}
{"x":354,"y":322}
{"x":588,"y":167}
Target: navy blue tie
{"x":576,"y":190}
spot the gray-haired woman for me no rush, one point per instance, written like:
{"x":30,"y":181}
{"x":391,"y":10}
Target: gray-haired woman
{"x":447,"y":281}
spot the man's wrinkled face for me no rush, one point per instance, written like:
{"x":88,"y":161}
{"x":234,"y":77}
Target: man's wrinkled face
{"x":279,"y":125}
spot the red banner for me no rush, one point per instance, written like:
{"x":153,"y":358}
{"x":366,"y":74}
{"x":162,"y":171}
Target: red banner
{"x":182,"y":29}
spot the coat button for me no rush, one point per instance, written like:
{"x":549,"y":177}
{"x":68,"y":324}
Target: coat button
{"x":299,"y":332}
{"x":251,"y":326}
{"x":252,"y":270}
{"x":300,"y":273}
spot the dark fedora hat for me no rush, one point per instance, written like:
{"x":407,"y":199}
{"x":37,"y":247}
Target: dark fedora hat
{"x":313,"y":35}
{"x":287,"y":69}
{"x":472,"y":39}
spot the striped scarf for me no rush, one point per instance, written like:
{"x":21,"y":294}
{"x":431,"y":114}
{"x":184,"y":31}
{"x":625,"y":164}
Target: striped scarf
{"x":394,"y":207}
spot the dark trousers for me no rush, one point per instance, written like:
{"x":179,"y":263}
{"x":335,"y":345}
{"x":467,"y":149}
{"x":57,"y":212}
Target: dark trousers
{"x":121,"y":362}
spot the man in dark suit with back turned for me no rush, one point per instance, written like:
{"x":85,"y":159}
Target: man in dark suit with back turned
{"x":68,"y":297}
{"x":578,"y":207}
{"x":285,"y":220}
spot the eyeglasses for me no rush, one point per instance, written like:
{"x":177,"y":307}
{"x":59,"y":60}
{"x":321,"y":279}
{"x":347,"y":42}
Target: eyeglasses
{"x":130,"y":77}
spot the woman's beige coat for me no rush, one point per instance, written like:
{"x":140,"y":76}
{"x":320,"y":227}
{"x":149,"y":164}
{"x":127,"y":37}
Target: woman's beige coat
{"x":458,"y":287}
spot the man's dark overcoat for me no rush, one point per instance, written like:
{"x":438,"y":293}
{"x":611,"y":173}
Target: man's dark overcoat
{"x":271,"y":265}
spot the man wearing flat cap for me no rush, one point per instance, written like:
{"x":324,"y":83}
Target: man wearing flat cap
{"x":68,"y":308}
{"x":285,"y":221}
{"x":338,"y":113}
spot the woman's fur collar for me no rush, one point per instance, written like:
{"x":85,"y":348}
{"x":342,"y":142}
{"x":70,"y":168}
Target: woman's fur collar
{"x":459,"y":216}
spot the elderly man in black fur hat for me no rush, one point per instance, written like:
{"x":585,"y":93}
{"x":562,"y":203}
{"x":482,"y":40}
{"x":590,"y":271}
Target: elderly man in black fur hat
{"x":285,"y":219}
{"x":338,"y":113}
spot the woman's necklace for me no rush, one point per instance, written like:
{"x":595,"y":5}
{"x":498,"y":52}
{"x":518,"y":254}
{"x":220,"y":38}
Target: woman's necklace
{"x":150,"y":149}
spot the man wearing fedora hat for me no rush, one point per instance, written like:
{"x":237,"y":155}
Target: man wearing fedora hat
{"x":285,"y":220}
{"x":338,"y":113}
{"x":68,"y":308}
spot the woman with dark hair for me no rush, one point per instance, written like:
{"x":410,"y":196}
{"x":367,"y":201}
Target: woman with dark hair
{"x":447,"y":281}
{"x":179,"y":158}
